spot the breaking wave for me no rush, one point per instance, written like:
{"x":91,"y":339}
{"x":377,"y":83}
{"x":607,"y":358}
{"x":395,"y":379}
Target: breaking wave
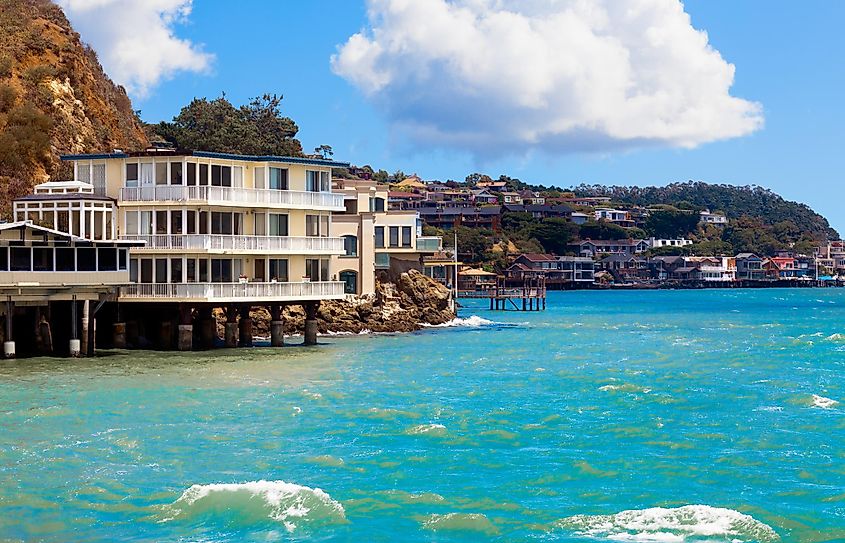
{"x":432,"y":429}
{"x":257,"y":502}
{"x":473,"y":321}
{"x":682,"y":524}
{"x":823,"y":403}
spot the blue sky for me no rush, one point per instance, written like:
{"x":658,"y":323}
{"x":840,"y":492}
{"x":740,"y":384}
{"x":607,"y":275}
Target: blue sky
{"x":787,"y":56}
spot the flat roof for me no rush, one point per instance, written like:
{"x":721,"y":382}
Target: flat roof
{"x":208,"y":154}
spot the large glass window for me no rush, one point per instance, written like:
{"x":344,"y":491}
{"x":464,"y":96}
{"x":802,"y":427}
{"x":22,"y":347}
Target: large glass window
{"x":203,"y":180}
{"x":203,"y":270}
{"x":192,"y":173}
{"x":175,"y":270}
{"x":278,"y":224}
{"x":161,"y":173}
{"x":258,"y":177}
{"x":324,"y":225}
{"x":86,"y":259}
{"x":317,"y":269}
{"x":377,"y":204}
{"x":161,"y":222}
{"x":191,"y":269}
{"x":131,"y":223}
{"x":175,"y":173}
{"x":107,"y":259}
{"x":175,"y":221}
{"x":406,"y":236}
{"x":161,"y":270}
{"x":350,"y":245}
{"x":133,"y":270}
{"x":312,"y":225}
{"x":132,"y":174}
{"x":260,"y":226}
{"x":394,"y":236}
{"x":379,"y":236}
{"x":317,"y":181}
{"x":65,"y":259}
{"x":350,"y":281}
{"x":279,"y":270}
{"x":221,"y":270}
{"x":146,"y":270}
{"x":221,"y":176}
{"x":42,"y":259}
{"x":279,"y":178}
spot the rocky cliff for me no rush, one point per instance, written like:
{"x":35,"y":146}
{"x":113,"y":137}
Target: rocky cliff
{"x":413,"y":301}
{"x":54,"y":98}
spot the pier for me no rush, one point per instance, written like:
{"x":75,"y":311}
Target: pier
{"x":530,"y":296}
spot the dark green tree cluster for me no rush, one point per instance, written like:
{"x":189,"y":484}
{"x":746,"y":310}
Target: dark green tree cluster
{"x":257,"y":128}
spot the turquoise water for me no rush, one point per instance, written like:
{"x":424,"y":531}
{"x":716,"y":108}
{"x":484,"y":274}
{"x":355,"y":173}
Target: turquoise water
{"x":630,"y":416}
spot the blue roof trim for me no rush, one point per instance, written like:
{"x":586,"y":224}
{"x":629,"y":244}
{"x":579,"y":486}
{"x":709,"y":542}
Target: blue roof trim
{"x":271,"y":158}
{"x":94,"y":156}
{"x":225,"y":156}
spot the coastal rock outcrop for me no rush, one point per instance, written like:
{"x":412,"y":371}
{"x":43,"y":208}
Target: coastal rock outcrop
{"x":410,"y":303}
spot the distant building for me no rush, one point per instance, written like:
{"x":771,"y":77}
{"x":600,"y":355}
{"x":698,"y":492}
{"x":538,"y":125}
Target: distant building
{"x":712,"y":218}
{"x":559,"y":271}
{"x":616,"y":216}
{"x":593,"y":248}
{"x":655,"y":243}
{"x":749,"y":267}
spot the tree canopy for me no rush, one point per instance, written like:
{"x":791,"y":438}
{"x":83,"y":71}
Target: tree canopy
{"x":257,"y":128}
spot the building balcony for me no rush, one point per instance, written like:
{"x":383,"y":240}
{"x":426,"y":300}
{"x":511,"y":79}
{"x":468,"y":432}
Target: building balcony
{"x":429,"y":244}
{"x":233,"y":292}
{"x":231,"y":196}
{"x":224,"y":244}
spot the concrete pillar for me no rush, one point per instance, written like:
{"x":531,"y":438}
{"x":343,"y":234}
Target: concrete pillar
{"x":245,"y":327}
{"x":208,"y":332}
{"x":75,"y":348}
{"x":186,"y":337}
{"x":9,"y":349}
{"x":311,"y":323}
{"x":118,"y":330}
{"x":277,"y":327}
{"x":45,"y":334}
{"x":165,"y":336}
{"x":86,"y":308}
{"x":231,"y":334}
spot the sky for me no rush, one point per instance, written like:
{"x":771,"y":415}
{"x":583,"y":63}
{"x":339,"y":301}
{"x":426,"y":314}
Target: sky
{"x":555,"y":92}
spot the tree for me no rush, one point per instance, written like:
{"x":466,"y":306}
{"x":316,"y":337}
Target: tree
{"x":555,"y":234}
{"x":257,"y":128}
{"x":671,"y":223}
{"x":381,"y":176}
{"x":476,"y":178}
{"x":603,"y":230}
{"x":325,"y":151}
{"x":514,"y":222}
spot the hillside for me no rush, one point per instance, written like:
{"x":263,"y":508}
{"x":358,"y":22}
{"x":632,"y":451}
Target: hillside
{"x":747,"y":203}
{"x":54,"y":98}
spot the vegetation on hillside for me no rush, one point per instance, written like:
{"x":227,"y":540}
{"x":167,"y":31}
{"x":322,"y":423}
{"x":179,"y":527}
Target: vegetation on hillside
{"x":54,"y":98}
{"x":257,"y":128}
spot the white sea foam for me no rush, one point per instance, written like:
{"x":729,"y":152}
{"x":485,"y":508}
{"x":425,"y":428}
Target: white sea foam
{"x":664,"y":525}
{"x":473,"y":321}
{"x":430,"y":429}
{"x":254,"y":502}
{"x":823,"y":403}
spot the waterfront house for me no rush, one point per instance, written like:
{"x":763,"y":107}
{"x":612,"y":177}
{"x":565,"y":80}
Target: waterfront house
{"x":476,"y":280}
{"x":749,"y":267}
{"x":626,"y":268}
{"x":220,"y":230}
{"x":559,"y":271}
{"x":594,"y":248}
{"x":376,"y":241}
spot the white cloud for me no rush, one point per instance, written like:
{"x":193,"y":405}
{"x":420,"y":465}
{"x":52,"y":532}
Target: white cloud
{"x":136,"y":41}
{"x":494,"y":76}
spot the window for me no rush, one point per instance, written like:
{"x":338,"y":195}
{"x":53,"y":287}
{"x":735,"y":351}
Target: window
{"x":86,"y":259}
{"x":133,"y":270}
{"x":176,"y":221}
{"x":312,"y":225}
{"x":161,"y":270}
{"x":350,"y":245}
{"x":4,"y":259}
{"x":324,"y":225}
{"x":191,"y":269}
{"x":259,"y":227}
{"x":83,"y":172}
{"x":122,"y":255}
{"x":379,"y":236}
{"x":278,"y":178}
{"x":161,"y":173}
{"x":221,"y":270}
{"x":350,"y":281}
{"x":260,"y":265}
{"x":107,"y":259}
{"x":147,"y":175}
{"x":42,"y":259}
{"x":203,"y":174}
{"x":221,"y":176}
{"x":377,"y":204}
{"x":161,"y":222}
{"x":65,"y":259}
{"x":278,"y":225}
{"x":146,"y":270}
{"x":98,"y":178}
{"x":394,"y":236}
{"x":317,"y":269}
{"x":132,"y":174}
{"x":131,"y":223}
{"x":221,"y":223}
{"x":192,"y":222}
{"x":317,"y":181}
{"x":237,"y":176}
{"x":175,"y":270}
{"x":279,"y":270}
{"x":192,"y":173}
{"x":406,"y":236}
{"x":175,"y":173}
{"x":203,"y":266}
{"x":146,"y":222}
{"x":258,"y":177}
{"x":203,"y":222}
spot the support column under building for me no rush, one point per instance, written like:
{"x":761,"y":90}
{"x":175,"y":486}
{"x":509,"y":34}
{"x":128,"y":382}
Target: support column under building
{"x":74,"y":345}
{"x":277,"y":327}
{"x":231,"y":327}
{"x":118,"y":332}
{"x":186,"y":328}
{"x":9,"y":343}
{"x":245,"y":327}
{"x":311,"y":326}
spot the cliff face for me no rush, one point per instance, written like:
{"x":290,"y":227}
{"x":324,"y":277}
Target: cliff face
{"x":54,"y":98}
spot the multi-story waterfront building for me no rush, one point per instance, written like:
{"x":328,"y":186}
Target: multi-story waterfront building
{"x":219,"y":230}
{"x":376,"y":239}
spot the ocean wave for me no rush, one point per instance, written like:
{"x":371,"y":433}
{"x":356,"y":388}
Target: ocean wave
{"x":626,"y":387}
{"x":823,"y":403}
{"x":836,"y":337}
{"x":257,"y":502}
{"x":460,"y":522}
{"x":431,"y":429}
{"x":473,"y":321}
{"x":658,"y":524}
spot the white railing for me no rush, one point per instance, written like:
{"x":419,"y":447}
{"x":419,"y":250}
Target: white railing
{"x":231,"y":195}
{"x":220,"y":242}
{"x":233,"y":291}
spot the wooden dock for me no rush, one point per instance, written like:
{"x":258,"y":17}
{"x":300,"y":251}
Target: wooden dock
{"x":531,"y":296}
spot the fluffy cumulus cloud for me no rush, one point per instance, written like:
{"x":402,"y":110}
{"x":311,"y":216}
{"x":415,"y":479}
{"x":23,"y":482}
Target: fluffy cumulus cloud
{"x":136,"y":40}
{"x":494,"y":76}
